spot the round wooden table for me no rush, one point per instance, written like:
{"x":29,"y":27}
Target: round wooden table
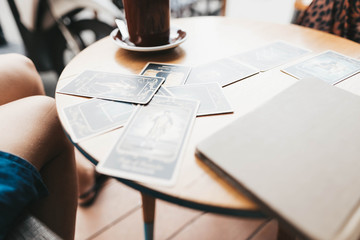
{"x":209,"y":39}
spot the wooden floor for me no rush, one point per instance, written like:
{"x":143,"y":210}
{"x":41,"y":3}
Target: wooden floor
{"x":117,"y":214}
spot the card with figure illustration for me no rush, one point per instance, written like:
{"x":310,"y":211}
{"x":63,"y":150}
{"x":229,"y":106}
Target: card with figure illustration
{"x":210,"y":95}
{"x":329,"y":66}
{"x":174,"y":74}
{"x":271,"y":55}
{"x":151,"y":146}
{"x":96,"y":116}
{"x":224,"y":71}
{"x":113,"y":86}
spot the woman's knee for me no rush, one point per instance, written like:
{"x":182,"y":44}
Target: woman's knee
{"x":30,"y":75}
{"x":19,"y":78}
{"x":20,"y":60}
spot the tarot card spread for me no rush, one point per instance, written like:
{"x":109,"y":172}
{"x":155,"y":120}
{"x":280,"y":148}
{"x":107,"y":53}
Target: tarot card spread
{"x":174,"y":74}
{"x":96,"y":116}
{"x":224,"y":71}
{"x":328,"y":66}
{"x":114,"y":86}
{"x":272,"y":55}
{"x":150,"y":148}
{"x":211,"y":97}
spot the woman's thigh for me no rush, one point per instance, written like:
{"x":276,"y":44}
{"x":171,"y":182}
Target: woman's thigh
{"x":30,"y":129}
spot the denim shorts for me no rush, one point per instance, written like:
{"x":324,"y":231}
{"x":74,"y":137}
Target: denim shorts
{"x":20,"y":185}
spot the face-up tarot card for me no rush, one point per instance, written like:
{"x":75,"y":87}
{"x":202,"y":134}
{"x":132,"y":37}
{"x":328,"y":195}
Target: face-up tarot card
{"x":211,"y":97}
{"x":271,"y":55}
{"x":223,"y":71}
{"x":163,"y":91}
{"x":150,"y":148}
{"x":330,"y":66}
{"x":113,"y":86}
{"x":174,"y":74}
{"x":96,"y":116}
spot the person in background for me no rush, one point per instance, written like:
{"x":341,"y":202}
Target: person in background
{"x":38,"y":172}
{"x":340,"y":17}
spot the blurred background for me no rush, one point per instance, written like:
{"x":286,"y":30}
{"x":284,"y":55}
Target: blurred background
{"x":76,"y":27}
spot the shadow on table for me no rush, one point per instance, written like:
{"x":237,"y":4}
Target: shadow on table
{"x":130,"y":59}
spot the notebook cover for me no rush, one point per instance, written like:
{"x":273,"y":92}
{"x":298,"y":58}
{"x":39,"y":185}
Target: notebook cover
{"x":298,"y":157}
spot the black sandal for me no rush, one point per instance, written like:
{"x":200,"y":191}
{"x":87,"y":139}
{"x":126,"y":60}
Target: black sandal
{"x":86,"y":199}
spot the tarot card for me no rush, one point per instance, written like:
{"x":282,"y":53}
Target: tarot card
{"x":150,"y":148}
{"x":224,"y":71}
{"x":330,"y":66}
{"x":271,"y":55}
{"x":174,"y":74}
{"x":114,"y":86}
{"x":96,"y":116}
{"x":163,"y":91}
{"x":211,"y":97}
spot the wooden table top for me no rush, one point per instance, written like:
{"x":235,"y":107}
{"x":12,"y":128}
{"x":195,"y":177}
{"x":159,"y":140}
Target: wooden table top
{"x":209,"y":39}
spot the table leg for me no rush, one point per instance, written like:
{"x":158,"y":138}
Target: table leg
{"x":148,"y":207}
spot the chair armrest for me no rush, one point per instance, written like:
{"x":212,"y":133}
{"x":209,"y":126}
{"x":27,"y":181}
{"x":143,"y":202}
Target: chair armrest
{"x":31,"y":228}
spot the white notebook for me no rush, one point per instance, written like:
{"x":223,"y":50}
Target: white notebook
{"x":298,"y":157}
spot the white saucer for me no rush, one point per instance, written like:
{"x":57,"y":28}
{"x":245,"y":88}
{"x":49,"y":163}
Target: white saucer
{"x":177,"y":36}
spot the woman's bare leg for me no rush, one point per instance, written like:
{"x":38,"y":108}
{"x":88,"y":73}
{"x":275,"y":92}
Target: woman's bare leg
{"x":18,"y":78}
{"x":86,"y":173}
{"x":31,"y":129}
{"x":35,"y":121}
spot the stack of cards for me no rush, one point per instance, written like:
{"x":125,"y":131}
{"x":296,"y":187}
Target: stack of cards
{"x":211,"y":97}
